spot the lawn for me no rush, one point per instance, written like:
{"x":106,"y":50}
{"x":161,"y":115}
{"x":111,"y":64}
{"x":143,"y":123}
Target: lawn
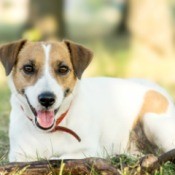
{"x":4,"y":121}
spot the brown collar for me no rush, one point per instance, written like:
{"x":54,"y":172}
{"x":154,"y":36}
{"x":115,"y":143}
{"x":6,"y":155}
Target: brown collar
{"x":64,"y":129}
{"x":60,"y":128}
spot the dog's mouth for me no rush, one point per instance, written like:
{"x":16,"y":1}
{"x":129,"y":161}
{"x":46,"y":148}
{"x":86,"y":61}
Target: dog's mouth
{"x":44,"y":119}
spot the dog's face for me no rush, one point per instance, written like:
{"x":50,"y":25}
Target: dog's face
{"x":45,"y":75}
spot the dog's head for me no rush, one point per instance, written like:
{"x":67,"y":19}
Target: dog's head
{"x":44,"y":75}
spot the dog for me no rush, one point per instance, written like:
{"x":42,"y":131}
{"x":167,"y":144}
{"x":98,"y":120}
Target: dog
{"x":57,"y":113}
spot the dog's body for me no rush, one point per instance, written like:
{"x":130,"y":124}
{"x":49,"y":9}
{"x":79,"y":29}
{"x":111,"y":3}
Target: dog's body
{"x":109,"y":115}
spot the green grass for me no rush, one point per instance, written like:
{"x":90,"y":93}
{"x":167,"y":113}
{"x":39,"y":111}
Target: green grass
{"x":129,"y":165}
{"x":4,"y":122}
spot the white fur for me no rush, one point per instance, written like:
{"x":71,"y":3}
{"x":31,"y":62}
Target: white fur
{"x":102,"y":113}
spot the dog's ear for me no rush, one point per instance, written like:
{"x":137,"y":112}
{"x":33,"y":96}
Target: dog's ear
{"x":80,"y":57}
{"x":9,"y":53}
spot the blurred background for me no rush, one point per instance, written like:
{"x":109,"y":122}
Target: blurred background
{"x":130,"y":38}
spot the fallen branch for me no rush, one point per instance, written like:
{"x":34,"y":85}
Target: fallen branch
{"x":147,"y":164}
{"x":78,"y":167}
{"x":151,"y":163}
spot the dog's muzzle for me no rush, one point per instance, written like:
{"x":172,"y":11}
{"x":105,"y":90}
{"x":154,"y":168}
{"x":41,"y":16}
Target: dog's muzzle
{"x":45,"y":118}
{"x":47,"y":99}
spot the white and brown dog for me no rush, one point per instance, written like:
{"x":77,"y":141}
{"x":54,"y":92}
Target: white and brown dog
{"x":55,"y":114}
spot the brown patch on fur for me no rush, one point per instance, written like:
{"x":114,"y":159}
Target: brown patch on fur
{"x":154,"y":102}
{"x":32,"y":52}
{"x":60,"y":54}
{"x":80,"y":57}
{"x":9,"y":53}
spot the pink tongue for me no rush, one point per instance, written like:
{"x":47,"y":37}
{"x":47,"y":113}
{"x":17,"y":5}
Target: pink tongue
{"x":45,"y":118}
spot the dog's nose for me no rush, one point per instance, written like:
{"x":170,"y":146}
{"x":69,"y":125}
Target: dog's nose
{"x":46,"y":99}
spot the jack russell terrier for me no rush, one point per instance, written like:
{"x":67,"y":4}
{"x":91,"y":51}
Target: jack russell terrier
{"x":55,"y":113}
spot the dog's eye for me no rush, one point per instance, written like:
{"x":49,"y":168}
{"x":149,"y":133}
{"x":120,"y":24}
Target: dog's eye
{"x":63,"y":70}
{"x":28,"y":69}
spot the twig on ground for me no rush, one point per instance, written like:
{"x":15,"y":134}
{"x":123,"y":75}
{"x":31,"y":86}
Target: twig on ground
{"x":147,"y":164}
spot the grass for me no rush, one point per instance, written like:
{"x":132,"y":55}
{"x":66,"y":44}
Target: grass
{"x":129,"y":165}
{"x":4,"y":122}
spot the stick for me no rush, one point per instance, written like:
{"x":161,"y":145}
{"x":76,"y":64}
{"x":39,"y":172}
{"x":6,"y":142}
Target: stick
{"x":78,"y":167}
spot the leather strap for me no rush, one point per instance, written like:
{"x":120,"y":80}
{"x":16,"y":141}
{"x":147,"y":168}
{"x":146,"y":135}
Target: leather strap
{"x":60,"y":128}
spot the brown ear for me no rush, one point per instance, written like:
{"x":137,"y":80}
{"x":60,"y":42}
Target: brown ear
{"x":80,"y":57}
{"x":9,"y":53}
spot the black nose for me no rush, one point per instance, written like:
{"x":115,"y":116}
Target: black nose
{"x":46,"y":99}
